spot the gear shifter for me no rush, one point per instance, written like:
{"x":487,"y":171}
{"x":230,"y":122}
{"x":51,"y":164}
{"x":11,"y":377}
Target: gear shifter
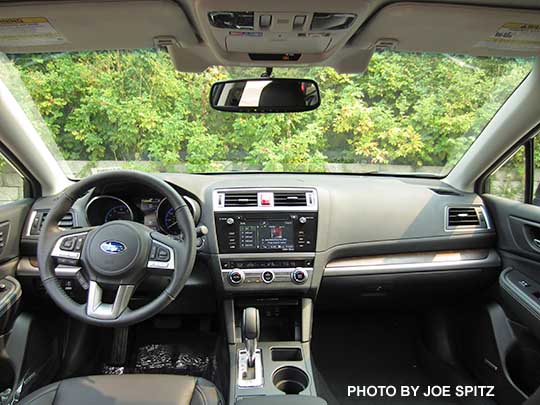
{"x":251,"y":329}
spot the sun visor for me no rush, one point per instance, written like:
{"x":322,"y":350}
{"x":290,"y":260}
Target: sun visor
{"x":425,"y":27}
{"x":73,"y":26}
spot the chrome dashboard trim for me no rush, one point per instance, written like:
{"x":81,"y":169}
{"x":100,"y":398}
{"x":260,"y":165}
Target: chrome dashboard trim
{"x":467,"y":228}
{"x":270,"y":256}
{"x":26,"y":269}
{"x":30,"y":222}
{"x":314,"y":207}
{"x":413,"y":262}
{"x":196,"y":212}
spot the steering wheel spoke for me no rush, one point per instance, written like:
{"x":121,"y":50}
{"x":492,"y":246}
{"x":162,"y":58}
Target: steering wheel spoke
{"x":96,"y":308}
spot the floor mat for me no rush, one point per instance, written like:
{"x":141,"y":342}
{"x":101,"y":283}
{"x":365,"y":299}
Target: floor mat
{"x":170,"y":352}
{"x":371,"y":350}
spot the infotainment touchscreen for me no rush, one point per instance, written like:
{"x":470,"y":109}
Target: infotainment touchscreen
{"x":262,"y":234}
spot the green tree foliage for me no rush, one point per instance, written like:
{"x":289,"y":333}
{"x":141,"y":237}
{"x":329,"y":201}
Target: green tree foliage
{"x":413,"y":109}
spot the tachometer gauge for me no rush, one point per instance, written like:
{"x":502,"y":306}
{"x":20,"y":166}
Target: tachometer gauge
{"x":107,"y":208}
{"x":118,"y":212}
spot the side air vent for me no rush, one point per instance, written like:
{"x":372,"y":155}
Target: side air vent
{"x":290,"y":199}
{"x":241,"y":199}
{"x":39,"y":219}
{"x":471,"y":217}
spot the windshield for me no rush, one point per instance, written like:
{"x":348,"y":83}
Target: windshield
{"x":409,"y":113}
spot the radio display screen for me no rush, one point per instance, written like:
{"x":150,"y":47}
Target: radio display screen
{"x":266,"y":235}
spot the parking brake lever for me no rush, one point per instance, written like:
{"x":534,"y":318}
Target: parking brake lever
{"x":250,"y":331}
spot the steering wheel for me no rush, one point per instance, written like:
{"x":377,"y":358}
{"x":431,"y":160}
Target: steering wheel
{"x":115,"y":256}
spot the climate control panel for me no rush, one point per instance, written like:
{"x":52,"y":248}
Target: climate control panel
{"x":266,"y":273}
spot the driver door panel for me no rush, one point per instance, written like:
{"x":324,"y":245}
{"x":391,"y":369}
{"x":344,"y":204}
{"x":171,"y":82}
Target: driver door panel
{"x":12,"y":219}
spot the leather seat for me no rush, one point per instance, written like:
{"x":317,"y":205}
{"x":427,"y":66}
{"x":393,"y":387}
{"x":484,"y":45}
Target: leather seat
{"x":134,"y":389}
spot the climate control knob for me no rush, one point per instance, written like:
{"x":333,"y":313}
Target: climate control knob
{"x":302,"y":220}
{"x":230,"y":221}
{"x":236,"y":277}
{"x":267,"y":276}
{"x":299,"y":276}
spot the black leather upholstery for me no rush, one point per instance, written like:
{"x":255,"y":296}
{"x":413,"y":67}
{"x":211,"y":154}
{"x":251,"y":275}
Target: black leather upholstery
{"x":136,"y":389}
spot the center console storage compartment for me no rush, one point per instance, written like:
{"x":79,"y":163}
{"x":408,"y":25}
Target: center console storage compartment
{"x":286,"y":354}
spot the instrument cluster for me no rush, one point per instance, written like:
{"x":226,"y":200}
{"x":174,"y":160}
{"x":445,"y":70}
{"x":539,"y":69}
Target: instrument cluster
{"x":153,"y":211}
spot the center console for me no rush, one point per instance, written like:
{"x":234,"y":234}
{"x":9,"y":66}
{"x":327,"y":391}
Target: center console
{"x":266,"y":240}
{"x":266,"y":237}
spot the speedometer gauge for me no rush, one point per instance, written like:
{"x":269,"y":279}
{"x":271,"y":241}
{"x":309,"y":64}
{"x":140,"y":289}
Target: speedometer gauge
{"x":167,"y":218}
{"x":118,"y":212}
{"x":171,"y":225}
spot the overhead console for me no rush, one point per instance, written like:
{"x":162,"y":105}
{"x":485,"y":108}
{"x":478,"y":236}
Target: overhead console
{"x":279,"y":36}
{"x":281,"y":33}
{"x":266,"y":237}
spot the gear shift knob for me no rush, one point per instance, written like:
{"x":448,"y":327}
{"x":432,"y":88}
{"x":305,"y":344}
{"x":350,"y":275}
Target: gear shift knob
{"x":251,"y":329}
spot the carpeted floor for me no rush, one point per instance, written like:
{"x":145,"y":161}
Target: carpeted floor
{"x":374,"y":350}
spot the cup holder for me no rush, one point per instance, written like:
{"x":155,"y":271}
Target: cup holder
{"x":290,"y":380}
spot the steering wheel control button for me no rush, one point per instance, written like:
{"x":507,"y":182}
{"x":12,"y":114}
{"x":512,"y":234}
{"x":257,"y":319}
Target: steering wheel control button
{"x":163,"y":255}
{"x":268,"y":276}
{"x":68,"y":243}
{"x":299,"y":276}
{"x":153,"y":251}
{"x":79,"y":243}
{"x":67,"y":262}
{"x":69,"y":247}
{"x":82,"y":280}
{"x":236,"y":277}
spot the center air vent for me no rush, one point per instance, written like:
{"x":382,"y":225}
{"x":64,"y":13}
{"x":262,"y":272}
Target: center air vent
{"x":265,"y":199}
{"x":471,"y":217}
{"x":240,"y":199}
{"x":39,"y":219}
{"x":285,"y":199}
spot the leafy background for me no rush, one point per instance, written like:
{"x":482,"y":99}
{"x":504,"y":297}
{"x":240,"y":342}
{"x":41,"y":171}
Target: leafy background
{"x":418,"y":110}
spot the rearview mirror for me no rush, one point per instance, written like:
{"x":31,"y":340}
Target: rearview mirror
{"x":265,"y":95}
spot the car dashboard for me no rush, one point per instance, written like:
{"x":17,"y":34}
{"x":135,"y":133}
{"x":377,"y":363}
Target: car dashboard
{"x":269,"y":236}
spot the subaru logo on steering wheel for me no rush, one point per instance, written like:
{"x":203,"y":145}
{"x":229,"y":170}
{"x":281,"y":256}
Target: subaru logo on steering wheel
{"x":112,"y":247}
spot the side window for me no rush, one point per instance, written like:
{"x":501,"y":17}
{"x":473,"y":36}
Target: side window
{"x":508,"y":180}
{"x":11,"y":183}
